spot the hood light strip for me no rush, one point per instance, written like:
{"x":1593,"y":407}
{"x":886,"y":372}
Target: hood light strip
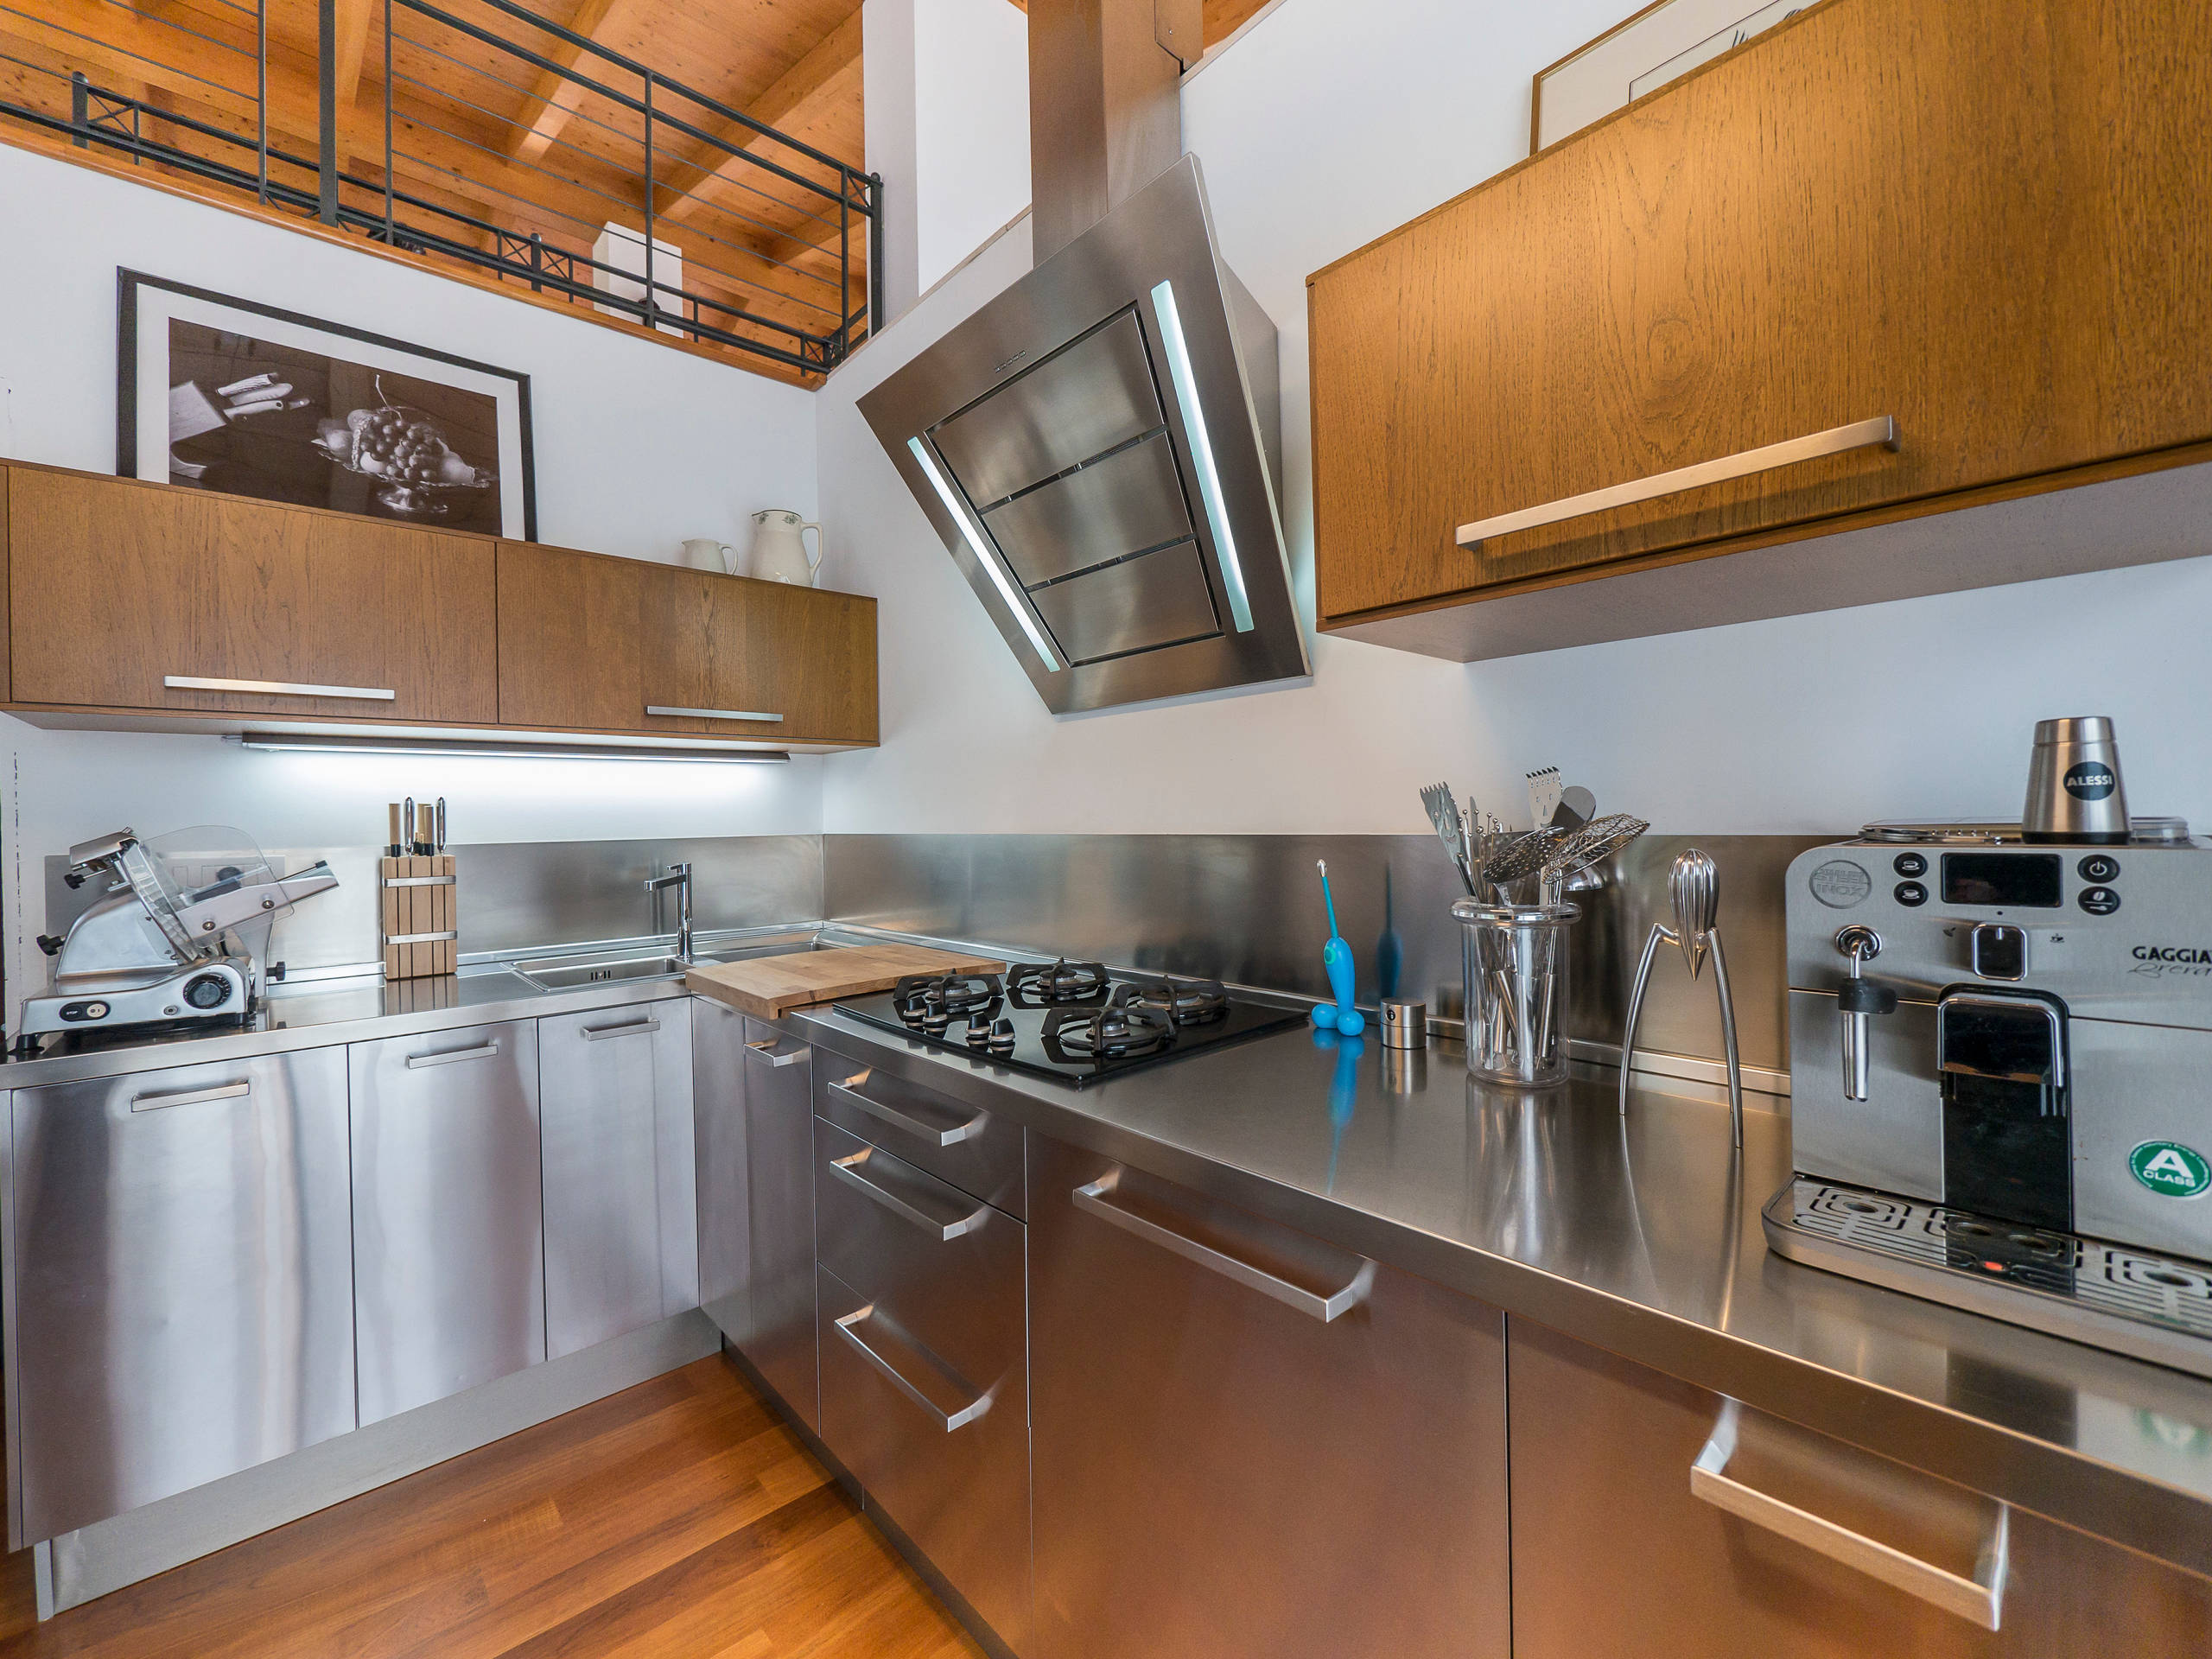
{"x":1194,"y":422}
{"x":986,"y":555}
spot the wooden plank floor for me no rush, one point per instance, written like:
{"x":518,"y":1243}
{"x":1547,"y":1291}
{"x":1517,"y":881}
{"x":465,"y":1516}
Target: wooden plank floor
{"x":676,"y":1518}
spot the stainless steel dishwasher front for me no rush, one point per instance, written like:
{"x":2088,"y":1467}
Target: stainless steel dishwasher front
{"x":448,"y":1236}
{"x":183,"y":1305}
{"x":1250,"y":1444}
{"x":621,"y":1232}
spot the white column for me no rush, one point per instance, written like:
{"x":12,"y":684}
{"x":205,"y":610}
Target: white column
{"x":947,"y":92}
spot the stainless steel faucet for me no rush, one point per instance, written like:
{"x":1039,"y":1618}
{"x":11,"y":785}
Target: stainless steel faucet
{"x":679,"y":877}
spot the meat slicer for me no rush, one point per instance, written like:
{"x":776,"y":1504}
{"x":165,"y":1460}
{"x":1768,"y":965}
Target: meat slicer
{"x":177,"y":938}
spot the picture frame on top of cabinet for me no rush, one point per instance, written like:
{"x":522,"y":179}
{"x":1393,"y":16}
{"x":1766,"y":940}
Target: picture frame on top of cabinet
{"x":1641,"y":53}
{"x":214,"y":392}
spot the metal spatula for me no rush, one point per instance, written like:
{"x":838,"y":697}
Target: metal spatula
{"x":1444,"y":817}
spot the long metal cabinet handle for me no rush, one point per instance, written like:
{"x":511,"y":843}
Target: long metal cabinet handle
{"x":967,"y":1414}
{"x":847,"y":1170}
{"x":715,"y":714}
{"x":154,"y":1102}
{"x":484,"y":1052}
{"x":1094,"y":1198}
{"x":763,"y":1051}
{"x":278,"y":688}
{"x":899,"y":1120}
{"x":1980,"y":1599}
{"x":1859,"y":435}
{"x":635,"y":1028}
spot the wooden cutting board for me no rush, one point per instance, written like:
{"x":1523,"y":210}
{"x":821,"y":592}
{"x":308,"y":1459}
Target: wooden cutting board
{"x":767,"y":987}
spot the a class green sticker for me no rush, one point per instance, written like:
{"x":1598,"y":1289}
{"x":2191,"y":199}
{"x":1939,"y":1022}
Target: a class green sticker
{"x":2171,"y":1169}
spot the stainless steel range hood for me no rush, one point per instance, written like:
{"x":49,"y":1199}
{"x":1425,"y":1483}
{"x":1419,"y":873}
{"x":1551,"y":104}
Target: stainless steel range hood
{"x":1098,"y":448}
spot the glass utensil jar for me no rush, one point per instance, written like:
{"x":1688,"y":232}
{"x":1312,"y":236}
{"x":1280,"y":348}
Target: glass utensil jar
{"x":1515,"y":957}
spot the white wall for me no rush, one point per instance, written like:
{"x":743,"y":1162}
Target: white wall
{"x":1322,"y":127}
{"x":637,"y":447}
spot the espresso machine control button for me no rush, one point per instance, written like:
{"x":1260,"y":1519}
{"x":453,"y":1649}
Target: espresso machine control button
{"x":1912,"y":895}
{"x":1910,"y":864}
{"x":2100,"y":901}
{"x":1999,"y":951}
{"x":2099,"y":868}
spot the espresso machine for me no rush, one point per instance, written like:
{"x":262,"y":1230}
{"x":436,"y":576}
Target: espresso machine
{"x":2001,"y":1076}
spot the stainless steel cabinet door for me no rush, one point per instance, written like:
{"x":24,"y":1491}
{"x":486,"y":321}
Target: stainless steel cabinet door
{"x":1220,"y":1470}
{"x":183,"y":1302}
{"x":448,"y":1241}
{"x":621,"y":1228}
{"x":718,"y":1069}
{"x":779,"y":1194}
{"x":1613,"y":1552}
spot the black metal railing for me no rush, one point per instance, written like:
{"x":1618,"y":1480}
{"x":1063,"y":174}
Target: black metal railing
{"x":496,"y":140}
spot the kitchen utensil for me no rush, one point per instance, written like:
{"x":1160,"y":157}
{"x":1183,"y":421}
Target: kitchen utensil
{"x":395,"y":842}
{"x":1405,"y":1023}
{"x":1515,"y":960}
{"x":1336,"y":961}
{"x":1588,"y":847}
{"x":768,"y":987}
{"x":778,"y":551}
{"x":1514,"y":855}
{"x":1576,"y":806}
{"x":705,"y":553}
{"x":2074,"y":793}
{"x":407,"y":826}
{"x":1544,"y":789}
{"x":423,"y":830}
{"x":1471,"y":835}
{"x":438,"y":827}
{"x":1694,"y":890}
{"x":1450,"y":828}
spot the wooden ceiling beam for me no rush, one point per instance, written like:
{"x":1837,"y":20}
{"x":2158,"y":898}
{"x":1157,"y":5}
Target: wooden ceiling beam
{"x":552,"y":99}
{"x":814,"y":80}
{"x":353,"y":17}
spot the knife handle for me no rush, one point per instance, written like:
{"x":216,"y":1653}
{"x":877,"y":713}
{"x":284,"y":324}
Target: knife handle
{"x":394,"y":836}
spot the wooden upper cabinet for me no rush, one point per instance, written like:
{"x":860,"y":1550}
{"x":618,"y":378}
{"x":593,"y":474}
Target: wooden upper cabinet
{"x":116,"y":589}
{"x":760,"y":659}
{"x":1991,"y":221}
{"x":589,"y":643}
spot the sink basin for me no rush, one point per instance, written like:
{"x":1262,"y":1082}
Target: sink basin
{"x":567,"y":975}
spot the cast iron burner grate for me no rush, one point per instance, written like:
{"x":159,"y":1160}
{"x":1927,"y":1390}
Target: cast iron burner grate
{"x":1119,"y":1031}
{"x":1036,"y":985}
{"x":2153,"y":1307}
{"x":1191,"y":1002}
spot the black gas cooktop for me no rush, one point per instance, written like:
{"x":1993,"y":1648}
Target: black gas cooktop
{"x":1071,"y":1023}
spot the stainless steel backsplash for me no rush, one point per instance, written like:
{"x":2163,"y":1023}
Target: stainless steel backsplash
{"x":1248,"y":908}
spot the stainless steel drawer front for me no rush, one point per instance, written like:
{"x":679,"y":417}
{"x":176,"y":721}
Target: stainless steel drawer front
{"x":849,"y":1091}
{"x":850,"y":1328}
{"x":979,"y":1153}
{"x":448,"y":1241}
{"x":913,"y":1210}
{"x":183,"y":1285}
{"x":621,"y":1229}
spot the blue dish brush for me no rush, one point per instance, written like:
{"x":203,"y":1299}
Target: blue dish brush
{"x":1336,"y":960}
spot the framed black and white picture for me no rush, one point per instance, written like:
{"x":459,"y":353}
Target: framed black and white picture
{"x":219,"y":393}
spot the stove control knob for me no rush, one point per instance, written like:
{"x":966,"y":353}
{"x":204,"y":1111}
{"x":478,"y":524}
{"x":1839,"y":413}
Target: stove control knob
{"x":1002,"y":1037}
{"x":978,"y":1031}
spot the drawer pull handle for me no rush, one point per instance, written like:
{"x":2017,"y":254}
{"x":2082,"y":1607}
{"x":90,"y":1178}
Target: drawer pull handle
{"x":1980,"y":1600}
{"x":278,"y":688}
{"x":1097,"y":1197}
{"x":847,"y":1170}
{"x":635,"y":1028}
{"x":849,"y":1092}
{"x":763,"y":1051}
{"x":156,"y":1102}
{"x":1859,"y":435}
{"x":960,"y":1418}
{"x":715,"y":714}
{"x":452,"y":1056}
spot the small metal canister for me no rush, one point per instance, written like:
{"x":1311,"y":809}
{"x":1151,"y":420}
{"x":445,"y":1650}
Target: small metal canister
{"x":1405,"y":1023}
{"x":2074,"y":793}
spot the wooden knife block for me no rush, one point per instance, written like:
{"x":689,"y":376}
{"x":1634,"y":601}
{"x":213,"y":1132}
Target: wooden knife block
{"x":416,"y":915}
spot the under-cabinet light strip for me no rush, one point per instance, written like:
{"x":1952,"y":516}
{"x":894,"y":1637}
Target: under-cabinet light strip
{"x":494,"y":750}
{"x":986,"y":555}
{"x":1194,"y":424}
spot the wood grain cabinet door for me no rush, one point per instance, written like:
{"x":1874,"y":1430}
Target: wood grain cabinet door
{"x":760,"y":659}
{"x":570,"y":656}
{"x":118,"y":589}
{"x":1989,"y":219}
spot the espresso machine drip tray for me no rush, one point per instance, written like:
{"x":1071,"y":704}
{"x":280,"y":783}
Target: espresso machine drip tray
{"x":2131,"y":1301}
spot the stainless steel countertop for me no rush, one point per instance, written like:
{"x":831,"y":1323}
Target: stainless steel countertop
{"x":1642,"y":1237}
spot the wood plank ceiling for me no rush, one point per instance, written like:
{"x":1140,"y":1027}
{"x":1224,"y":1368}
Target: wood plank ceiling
{"x":481,"y":132}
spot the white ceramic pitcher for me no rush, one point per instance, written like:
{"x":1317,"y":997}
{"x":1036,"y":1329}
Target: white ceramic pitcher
{"x":778,"y":552}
